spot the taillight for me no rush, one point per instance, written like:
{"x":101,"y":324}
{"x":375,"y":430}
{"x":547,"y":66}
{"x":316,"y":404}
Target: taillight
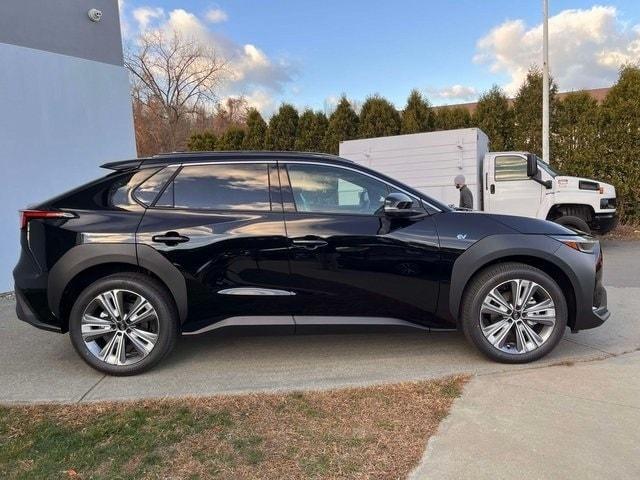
{"x":28,"y":215}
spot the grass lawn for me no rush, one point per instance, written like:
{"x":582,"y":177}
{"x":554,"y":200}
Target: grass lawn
{"x":374,"y":432}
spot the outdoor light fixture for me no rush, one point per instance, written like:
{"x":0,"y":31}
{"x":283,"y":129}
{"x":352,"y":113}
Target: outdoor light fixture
{"x":94,"y":14}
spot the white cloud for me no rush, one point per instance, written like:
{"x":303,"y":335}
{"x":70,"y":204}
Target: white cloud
{"x":145,"y":15}
{"x":216,"y":15}
{"x":452,"y":93}
{"x":586,"y":48}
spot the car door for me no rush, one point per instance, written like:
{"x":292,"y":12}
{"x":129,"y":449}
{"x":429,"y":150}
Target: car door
{"x":222,"y":226}
{"x":511,"y":191}
{"x":347,"y":257}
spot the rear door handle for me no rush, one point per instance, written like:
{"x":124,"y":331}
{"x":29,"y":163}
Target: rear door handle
{"x":309,"y":244}
{"x":170,"y":238}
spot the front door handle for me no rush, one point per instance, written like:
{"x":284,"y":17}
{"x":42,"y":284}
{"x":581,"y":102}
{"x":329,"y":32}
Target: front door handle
{"x":170,"y":238}
{"x":310,"y":243}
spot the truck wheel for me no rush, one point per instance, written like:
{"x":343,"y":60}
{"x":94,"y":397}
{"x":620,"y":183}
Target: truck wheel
{"x":514,"y":313}
{"x":123,"y":324}
{"x":574,"y":222}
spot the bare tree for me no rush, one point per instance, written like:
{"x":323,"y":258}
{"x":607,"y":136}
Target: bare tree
{"x":174,"y":77}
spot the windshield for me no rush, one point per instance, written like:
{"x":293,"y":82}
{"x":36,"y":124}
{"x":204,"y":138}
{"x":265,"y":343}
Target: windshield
{"x":547,"y":168}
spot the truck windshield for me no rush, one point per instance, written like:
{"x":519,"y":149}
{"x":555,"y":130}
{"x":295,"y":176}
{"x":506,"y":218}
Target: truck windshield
{"x":547,"y":168}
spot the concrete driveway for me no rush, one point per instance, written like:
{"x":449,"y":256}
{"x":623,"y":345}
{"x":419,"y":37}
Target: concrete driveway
{"x":39,"y":366}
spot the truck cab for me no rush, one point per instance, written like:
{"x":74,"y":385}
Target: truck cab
{"x":520,"y":183}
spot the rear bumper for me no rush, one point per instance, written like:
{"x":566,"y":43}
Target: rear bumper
{"x":25,"y":312}
{"x":604,"y":222}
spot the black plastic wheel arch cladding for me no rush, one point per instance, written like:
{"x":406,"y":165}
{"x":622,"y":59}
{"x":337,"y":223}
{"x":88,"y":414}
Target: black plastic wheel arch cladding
{"x":499,"y":247}
{"x":85,"y":256}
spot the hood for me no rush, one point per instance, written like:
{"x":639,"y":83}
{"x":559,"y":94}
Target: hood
{"x":530,"y":226}
{"x":573,"y":183}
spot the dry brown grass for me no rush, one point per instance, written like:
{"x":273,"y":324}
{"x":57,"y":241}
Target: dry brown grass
{"x":624,"y":232}
{"x":374,"y":432}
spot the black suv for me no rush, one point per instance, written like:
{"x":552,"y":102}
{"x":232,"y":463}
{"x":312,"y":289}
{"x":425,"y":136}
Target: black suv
{"x":297,"y":242}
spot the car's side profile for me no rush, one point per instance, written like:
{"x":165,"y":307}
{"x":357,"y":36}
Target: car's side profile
{"x":297,"y":242}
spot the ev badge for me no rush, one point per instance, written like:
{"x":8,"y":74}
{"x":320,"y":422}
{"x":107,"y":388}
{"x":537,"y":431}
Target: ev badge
{"x":461,"y":236}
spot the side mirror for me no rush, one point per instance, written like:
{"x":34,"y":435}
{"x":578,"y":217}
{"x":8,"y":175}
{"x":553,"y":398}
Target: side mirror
{"x":532,"y":165}
{"x":398,"y":204}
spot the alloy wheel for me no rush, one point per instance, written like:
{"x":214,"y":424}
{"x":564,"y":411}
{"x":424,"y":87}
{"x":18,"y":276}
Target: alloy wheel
{"x":518,"y":316}
{"x":120,"y":327}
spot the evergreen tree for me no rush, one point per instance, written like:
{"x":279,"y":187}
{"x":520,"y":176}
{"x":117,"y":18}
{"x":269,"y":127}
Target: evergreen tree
{"x":620,"y":135}
{"x":283,"y":128}
{"x":256,"y":131}
{"x":312,"y":128}
{"x":576,"y":139}
{"x":448,"y":118}
{"x":527,"y":110}
{"x":202,"y":142}
{"x":378,"y":118}
{"x":494,"y":117}
{"x":417,"y":115}
{"x":343,"y":125}
{"x":231,"y":139}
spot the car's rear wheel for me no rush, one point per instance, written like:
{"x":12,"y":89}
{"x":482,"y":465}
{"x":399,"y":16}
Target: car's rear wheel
{"x":123,"y":324}
{"x":514,"y":313}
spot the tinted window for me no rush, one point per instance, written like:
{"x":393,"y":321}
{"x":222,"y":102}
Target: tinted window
{"x":147,"y":192}
{"x":222,"y":187}
{"x":510,"y":167}
{"x":318,"y":188}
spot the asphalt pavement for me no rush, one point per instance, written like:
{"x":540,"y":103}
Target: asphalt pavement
{"x":40,"y":366}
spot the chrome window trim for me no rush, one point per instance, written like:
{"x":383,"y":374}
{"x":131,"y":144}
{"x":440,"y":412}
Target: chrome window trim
{"x":311,"y":162}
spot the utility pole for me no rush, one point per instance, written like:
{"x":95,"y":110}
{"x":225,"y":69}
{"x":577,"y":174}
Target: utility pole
{"x":545,"y":81}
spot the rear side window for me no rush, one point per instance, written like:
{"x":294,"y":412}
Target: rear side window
{"x":221,"y":187}
{"x":510,"y":167}
{"x":148,"y":190}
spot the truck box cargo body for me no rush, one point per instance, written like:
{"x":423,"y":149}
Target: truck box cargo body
{"x":516,"y":183}
{"x":426,"y":161}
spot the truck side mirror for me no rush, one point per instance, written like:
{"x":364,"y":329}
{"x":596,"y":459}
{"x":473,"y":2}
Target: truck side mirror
{"x":532,"y":165}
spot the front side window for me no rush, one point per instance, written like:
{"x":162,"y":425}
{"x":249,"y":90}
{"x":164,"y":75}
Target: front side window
{"x":510,"y":167}
{"x":221,"y":187}
{"x":319,"y":188}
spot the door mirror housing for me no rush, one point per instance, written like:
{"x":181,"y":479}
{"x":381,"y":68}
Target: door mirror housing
{"x":532,"y":165}
{"x":398,"y":204}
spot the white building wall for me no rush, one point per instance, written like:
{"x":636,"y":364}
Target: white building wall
{"x":60,"y":118}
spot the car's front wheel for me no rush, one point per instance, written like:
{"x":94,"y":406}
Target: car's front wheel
{"x":514,"y":313}
{"x":123,"y":324}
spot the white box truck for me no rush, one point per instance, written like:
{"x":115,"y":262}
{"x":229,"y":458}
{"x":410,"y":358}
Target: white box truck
{"x":517,"y":183}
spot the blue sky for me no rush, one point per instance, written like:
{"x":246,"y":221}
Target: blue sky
{"x":310,"y":52}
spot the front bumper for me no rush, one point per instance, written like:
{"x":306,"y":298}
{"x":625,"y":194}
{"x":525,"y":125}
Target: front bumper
{"x":604,"y":222}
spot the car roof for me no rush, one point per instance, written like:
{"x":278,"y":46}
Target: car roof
{"x":195,"y":157}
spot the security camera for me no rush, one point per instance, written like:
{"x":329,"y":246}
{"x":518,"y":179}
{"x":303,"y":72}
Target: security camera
{"x":94,"y":14}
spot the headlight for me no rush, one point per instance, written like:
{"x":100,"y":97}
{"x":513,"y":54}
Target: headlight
{"x":581,"y":244}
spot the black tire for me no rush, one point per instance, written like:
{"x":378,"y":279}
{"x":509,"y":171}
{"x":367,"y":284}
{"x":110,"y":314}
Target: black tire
{"x":155,"y":294}
{"x":479,"y":288}
{"x":574,"y":222}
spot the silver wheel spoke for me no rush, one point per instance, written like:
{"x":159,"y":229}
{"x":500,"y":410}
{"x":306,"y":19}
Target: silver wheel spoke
{"x":140,"y":312}
{"x":95,"y":327}
{"x":531,"y":333}
{"x":142,"y":341}
{"x":120,"y":327}
{"x":496,"y":300}
{"x":497,"y":332}
{"x":521,"y":341}
{"x":114,"y":351}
